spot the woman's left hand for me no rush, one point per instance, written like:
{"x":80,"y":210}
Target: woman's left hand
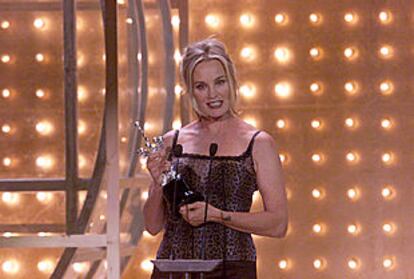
{"x":194,"y":213}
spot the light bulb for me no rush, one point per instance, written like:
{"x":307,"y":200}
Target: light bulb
{"x":388,"y":228}
{"x":353,"y":229}
{"x":351,"y":53}
{"x":248,"y":90}
{"x":5,"y":58}
{"x":176,"y":125}
{"x":81,"y":267}
{"x":6,"y":128}
{"x":385,"y":17}
{"x":353,"y":263}
{"x":283,"y":264}
{"x":283,"y":90}
{"x":7,"y":161}
{"x":40,"y":93}
{"x":39,"y":57}
{"x":353,"y":193}
{"x":44,"y":162}
{"x":387,"y":158}
{"x":386,"y":87}
{"x":316,"y":88}
{"x":318,"y":193}
{"x":281,"y":123}
{"x":248,"y":53}
{"x":175,"y":21}
{"x":388,"y":262}
{"x":44,"y":197}
{"x":247,"y":20}
{"x":11,"y":266}
{"x":351,"y":87}
{"x":45,"y":266}
{"x":212,"y":21}
{"x":315,"y":53}
{"x":350,"y":122}
{"x":281,"y":19}
{"x":315,"y":18}
{"x":10,"y":198}
{"x":386,"y":51}
{"x":316,"y":124}
{"x":319,"y":263}
{"x":282,"y":55}
{"x":351,"y":18}
{"x":146,"y":265}
{"x":6,"y":93}
{"x":39,"y":23}
{"x":388,"y":192}
{"x":386,"y":123}
{"x":317,"y":158}
{"x":5,"y":24}
{"x":44,"y":128}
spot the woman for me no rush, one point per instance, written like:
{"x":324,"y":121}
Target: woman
{"x":246,"y":161}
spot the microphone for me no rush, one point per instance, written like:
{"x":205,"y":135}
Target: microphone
{"x":213,"y":149}
{"x":178,"y":150}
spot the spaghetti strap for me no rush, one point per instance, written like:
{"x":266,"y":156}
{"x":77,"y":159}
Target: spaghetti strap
{"x":250,"y":146}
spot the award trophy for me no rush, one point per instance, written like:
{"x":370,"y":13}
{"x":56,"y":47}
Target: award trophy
{"x":176,"y":193}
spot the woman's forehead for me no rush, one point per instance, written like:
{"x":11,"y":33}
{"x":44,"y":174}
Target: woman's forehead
{"x":210,"y":68}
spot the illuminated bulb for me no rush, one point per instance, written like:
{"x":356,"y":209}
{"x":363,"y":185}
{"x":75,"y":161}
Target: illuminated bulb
{"x":10,"y":266}
{"x":175,"y":21}
{"x":386,"y":123}
{"x":176,"y":124}
{"x":129,"y":20}
{"x":81,"y":127}
{"x":283,"y":90}
{"x":121,"y":2}
{"x":352,"y":157}
{"x":388,"y":263}
{"x":5,"y":58}
{"x":44,"y":127}
{"x":40,"y":57}
{"x":281,"y":123}
{"x":283,"y":158}
{"x":82,"y":93}
{"x":351,"y":53}
{"x":315,"y":53}
{"x":43,"y":234}
{"x":39,"y":23}
{"x":146,"y":265}
{"x":45,"y":266}
{"x":386,"y":52}
{"x":44,"y":197}
{"x":315,"y":18}
{"x":281,"y":19}
{"x":247,"y":20}
{"x":5,"y":24}
{"x":353,"y":229}
{"x":143,"y":162}
{"x":282,"y":55}
{"x":350,"y":122}
{"x":353,"y":263}
{"x":247,"y":53}
{"x":388,"y":228}
{"x":6,"y":93}
{"x":148,"y":126}
{"x":6,"y":128}
{"x":144,"y":195}
{"x":177,"y":56}
{"x":247,"y":90}
{"x":387,"y":192}
{"x":316,"y":124}
{"x":7,"y":162}
{"x":101,"y":217}
{"x":319,"y":263}
{"x":80,"y":267}
{"x":318,"y":228}
{"x":9,"y":234}
{"x":250,"y":121}
{"x":385,"y":17}
{"x":283,"y":264}
{"x":40,"y":93}
{"x":212,"y":21}
{"x":10,"y":198}
{"x":318,"y":194}
{"x":178,"y":90}
{"x":351,"y":87}
{"x":387,"y":158}
{"x":316,"y":88}
{"x":82,"y":160}
{"x":353,"y":193}
{"x":317,"y":158}
{"x":386,"y":87}
{"x":44,"y":162}
{"x":351,"y":18}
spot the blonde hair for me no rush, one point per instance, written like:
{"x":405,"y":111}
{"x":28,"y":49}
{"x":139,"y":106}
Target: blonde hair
{"x":205,"y":50}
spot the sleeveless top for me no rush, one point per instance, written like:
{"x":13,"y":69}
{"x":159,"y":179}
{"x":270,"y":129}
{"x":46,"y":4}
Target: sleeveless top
{"x":231,"y":186}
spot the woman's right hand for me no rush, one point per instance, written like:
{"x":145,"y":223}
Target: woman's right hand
{"x":157,"y":163}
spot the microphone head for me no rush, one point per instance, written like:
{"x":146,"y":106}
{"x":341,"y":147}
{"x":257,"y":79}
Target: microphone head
{"x":213,"y":149}
{"x":178,"y":150}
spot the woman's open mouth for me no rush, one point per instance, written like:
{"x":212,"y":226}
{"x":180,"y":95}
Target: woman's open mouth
{"x":215,"y":104}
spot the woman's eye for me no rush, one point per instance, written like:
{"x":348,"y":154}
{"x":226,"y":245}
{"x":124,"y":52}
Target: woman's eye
{"x":221,"y":81}
{"x":199,"y":86}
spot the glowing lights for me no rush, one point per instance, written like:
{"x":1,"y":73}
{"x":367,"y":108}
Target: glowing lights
{"x":178,"y":90}
{"x":82,"y":93}
{"x":6,"y":93}
{"x":11,"y":266}
{"x":247,"y":90}
{"x":317,"y":124}
{"x":354,"y":229}
{"x":7,"y":161}
{"x":39,"y":23}
{"x":316,"y":53}
{"x":318,"y":158}
{"x":281,"y":124}
{"x":146,"y":265}
{"x":388,"y":192}
{"x":281,"y":19}
{"x":44,"y":197}
{"x":131,"y":21}
{"x":144,"y":195}
{"x":385,"y":17}
{"x":5,"y":24}
{"x":351,"y":18}
{"x":46,"y":266}
{"x":351,"y":87}
{"x":44,"y":162}
{"x":82,"y":127}
{"x":283,"y":264}
{"x":6,"y":128}
{"x":386,"y":52}
{"x":386,"y":87}
{"x":388,"y":158}
{"x":40,"y":93}
{"x":5,"y":58}
{"x":39,"y":57}
{"x":44,"y":128}
{"x":352,"y":157}
{"x":250,"y":120}
{"x":351,"y":53}
{"x":80,"y":267}
{"x":353,"y":193}
{"x":247,"y":20}
{"x":354,"y":263}
{"x":177,"y":56}
{"x":176,"y":125}
{"x":389,"y":228}
{"x":316,"y":88}
{"x":319,"y":263}
{"x":319,"y":228}
{"x":315,"y":18}
{"x":386,"y":123}
{"x":10,"y":198}
{"x":248,"y":54}
{"x":318,"y":193}
{"x":212,"y":21}
{"x":351,"y":123}
{"x":282,"y":55}
{"x":283,"y":158}
{"x":175,"y":21}
{"x":388,"y":263}
{"x":283,"y":90}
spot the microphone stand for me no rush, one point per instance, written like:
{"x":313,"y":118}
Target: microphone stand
{"x":212,"y":150}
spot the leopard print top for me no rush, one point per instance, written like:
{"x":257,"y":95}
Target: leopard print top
{"x":233,"y":182}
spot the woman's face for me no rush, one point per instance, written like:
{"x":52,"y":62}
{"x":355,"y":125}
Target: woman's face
{"x":211,"y":89}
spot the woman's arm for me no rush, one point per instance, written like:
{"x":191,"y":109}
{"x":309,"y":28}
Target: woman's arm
{"x":272,"y":221}
{"x":154,"y":207}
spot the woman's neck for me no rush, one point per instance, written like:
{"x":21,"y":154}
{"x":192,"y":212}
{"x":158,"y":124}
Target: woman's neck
{"x":214,"y":125}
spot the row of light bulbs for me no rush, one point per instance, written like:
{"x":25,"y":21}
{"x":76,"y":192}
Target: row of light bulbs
{"x":249,"y":20}
{"x":82,"y":93}
{"x":354,"y":229}
{"x":44,"y":162}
